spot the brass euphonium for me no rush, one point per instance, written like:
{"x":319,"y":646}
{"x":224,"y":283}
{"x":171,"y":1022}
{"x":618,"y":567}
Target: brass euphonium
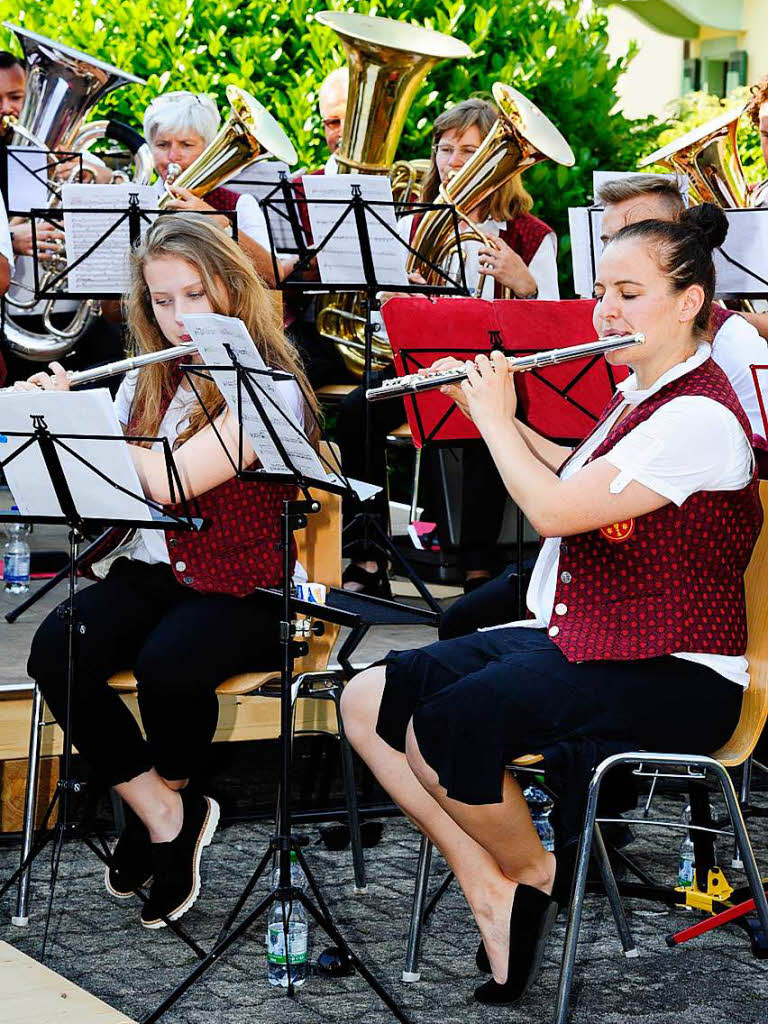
{"x":249,"y":134}
{"x":62,"y":87}
{"x":521,"y":137}
{"x":387,"y":61}
{"x":709,"y":156}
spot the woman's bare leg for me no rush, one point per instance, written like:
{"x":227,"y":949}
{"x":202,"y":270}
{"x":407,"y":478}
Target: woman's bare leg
{"x":158,"y":805}
{"x":489,"y":887}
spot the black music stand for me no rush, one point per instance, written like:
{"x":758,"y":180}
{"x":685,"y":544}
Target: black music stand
{"x":357,"y":209}
{"x":51,"y":447}
{"x":293,"y":640}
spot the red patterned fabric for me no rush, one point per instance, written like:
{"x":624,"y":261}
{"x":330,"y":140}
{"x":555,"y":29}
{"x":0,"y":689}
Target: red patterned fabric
{"x":241,"y":547}
{"x":300,"y":195}
{"x":222,"y":199}
{"x":669,"y":581}
{"x":524,"y":234}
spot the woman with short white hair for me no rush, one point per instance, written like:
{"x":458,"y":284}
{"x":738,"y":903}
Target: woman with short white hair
{"x":178,"y":126}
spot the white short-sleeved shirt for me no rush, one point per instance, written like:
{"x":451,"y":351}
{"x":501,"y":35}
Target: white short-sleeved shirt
{"x":543,"y":265}
{"x":736,"y":347}
{"x":6,"y":247}
{"x":690,"y":444}
{"x":151,"y":546}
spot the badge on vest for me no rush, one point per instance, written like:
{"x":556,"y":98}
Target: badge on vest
{"x":619,"y":532}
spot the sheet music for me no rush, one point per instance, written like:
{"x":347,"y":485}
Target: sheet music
{"x":211,"y":332}
{"x":27,"y":178}
{"x":746,"y":244}
{"x":106,"y":269}
{"x":260,"y":180}
{"x":84,"y":412}
{"x":581,"y":251}
{"x":341,"y":260}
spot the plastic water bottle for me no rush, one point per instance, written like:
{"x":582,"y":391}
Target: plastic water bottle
{"x":540,"y":806}
{"x":16,"y":558}
{"x":278,"y":963}
{"x":298,"y":878}
{"x":686,"y":865}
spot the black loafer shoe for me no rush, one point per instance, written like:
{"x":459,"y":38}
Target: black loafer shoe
{"x":176,"y":865}
{"x":533,"y":915}
{"x":481,"y":959}
{"x":131,"y":865}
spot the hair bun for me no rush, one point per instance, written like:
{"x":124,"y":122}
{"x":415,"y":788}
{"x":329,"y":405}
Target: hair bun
{"x":709,"y":221}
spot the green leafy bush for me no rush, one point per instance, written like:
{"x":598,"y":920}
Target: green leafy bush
{"x":555,"y":53}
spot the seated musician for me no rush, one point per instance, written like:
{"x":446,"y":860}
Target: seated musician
{"x":177,"y":608}
{"x":522,"y":259}
{"x":636,"y":613}
{"x":178,"y":126}
{"x":736,"y":345}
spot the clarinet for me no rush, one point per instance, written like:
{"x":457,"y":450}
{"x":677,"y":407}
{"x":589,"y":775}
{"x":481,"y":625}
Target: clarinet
{"x":415,"y":383}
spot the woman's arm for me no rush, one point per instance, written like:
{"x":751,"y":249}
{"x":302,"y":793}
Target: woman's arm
{"x":554,"y":507}
{"x":201,"y":461}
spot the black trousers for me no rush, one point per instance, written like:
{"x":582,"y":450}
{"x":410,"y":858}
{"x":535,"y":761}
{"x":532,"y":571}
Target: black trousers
{"x":180,"y":645}
{"x":493,"y":604}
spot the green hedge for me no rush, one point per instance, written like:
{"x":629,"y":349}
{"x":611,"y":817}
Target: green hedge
{"x":554,"y":53}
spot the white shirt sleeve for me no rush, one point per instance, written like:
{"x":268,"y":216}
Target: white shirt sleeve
{"x":690,"y":444}
{"x":736,"y":347}
{"x":251,"y":220}
{"x":124,"y":397}
{"x":291,"y":393}
{"x":6,"y":249}
{"x":543,"y":268}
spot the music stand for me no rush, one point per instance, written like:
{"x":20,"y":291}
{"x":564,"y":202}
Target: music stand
{"x":357,"y":210}
{"x":254,"y":382}
{"x":52,"y":447}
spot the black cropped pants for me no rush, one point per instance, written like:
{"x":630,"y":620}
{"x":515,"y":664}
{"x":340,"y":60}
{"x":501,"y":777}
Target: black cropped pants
{"x":180,"y":645}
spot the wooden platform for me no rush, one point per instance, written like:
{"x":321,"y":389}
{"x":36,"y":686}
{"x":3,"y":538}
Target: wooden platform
{"x":33,"y":994}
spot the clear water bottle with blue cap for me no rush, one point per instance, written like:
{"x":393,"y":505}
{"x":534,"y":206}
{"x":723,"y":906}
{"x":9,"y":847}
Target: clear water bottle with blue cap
{"x":16,"y":557}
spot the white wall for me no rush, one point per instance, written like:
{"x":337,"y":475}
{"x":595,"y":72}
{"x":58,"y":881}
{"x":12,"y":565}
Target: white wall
{"x":655,"y":75}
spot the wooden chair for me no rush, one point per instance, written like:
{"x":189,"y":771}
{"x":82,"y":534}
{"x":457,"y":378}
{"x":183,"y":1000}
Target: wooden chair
{"x":737,"y":751}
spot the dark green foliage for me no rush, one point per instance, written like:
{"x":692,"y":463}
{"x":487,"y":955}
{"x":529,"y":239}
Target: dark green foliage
{"x":553,"y":52}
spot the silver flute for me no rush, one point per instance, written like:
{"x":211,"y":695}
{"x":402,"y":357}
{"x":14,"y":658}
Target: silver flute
{"x":415,"y":383}
{"x":77,"y":377}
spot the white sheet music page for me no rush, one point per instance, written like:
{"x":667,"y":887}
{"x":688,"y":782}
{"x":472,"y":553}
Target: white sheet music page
{"x":260,"y":180}
{"x":211,"y":332}
{"x":27,"y":176}
{"x":745,"y":270}
{"x":340,"y":261}
{"x":106,"y":269}
{"x":85,"y":412}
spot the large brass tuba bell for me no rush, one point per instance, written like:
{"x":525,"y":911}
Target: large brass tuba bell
{"x":249,"y":134}
{"x":709,"y":156}
{"x":63,"y":85}
{"x":521,"y":137}
{"x":387,"y":62}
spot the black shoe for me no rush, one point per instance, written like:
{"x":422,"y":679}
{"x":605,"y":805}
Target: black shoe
{"x":177,"y":864}
{"x":364,"y":581}
{"x":131,"y":865}
{"x":481,"y":959}
{"x":533,"y":915}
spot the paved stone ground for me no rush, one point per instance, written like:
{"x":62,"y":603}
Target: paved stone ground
{"x":97,"y":942}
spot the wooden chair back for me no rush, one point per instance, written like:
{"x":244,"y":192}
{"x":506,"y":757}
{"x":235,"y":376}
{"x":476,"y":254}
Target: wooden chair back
{"x":754,"y":709}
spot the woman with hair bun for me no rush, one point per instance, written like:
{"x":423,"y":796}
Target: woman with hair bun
{"x":182,"y":610}
{"x":636,"y":601}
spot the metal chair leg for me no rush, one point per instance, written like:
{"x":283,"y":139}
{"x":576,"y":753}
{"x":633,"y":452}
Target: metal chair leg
{"x":21,"y":917}
{"x":614,"y":897}
{"x":744,"y":797}
{"x":350,"y":793}
{"x":745,"y":847}
{"x":577,"y":898}
{"x":415,"y":484}
{"x":412,"y":972}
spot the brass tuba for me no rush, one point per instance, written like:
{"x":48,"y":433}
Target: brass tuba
{"x":709,"y":156}
{"x":521,"y":137}
{"x":249,"y":134}
{"x":63,"y":85}
{"x":387,"y":62}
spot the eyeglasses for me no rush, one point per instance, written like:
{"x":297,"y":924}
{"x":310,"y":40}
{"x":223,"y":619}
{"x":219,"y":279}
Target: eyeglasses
{"x":446,"y":152}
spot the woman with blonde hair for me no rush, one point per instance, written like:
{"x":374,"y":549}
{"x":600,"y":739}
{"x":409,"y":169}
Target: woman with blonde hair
{"x":177,"y":608}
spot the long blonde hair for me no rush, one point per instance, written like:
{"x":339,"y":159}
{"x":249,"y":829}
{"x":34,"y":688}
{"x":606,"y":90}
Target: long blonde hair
{"x":505,"y":203}
{"x":234,"y":289}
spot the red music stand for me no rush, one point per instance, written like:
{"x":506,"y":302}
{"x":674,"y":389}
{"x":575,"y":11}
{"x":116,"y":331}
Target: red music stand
{"x":561,"y":402}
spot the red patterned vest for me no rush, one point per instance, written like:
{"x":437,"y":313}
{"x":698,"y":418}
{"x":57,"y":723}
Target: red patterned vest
{"x":524,"y":234}
{"x":239,"y":550}
{"x":669,"y":581}
{"x":222,"y":198}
